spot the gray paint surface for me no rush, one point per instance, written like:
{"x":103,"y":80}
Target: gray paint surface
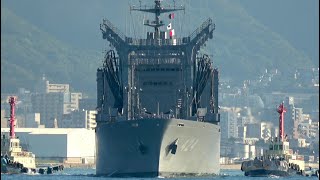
{"x":142,"y":148}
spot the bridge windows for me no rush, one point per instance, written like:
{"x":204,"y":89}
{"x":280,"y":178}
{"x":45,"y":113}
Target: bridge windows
{"x":158,"y":69}
{"x":157,"y":83}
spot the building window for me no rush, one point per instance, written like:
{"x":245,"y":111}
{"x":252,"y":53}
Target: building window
{"x":271,"y":147}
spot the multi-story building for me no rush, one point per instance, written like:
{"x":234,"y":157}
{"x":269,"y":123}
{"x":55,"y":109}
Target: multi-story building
{"x":75,"y":98}
{"x":32,"y":120}
{"x":49,"y":105}
{"x":298,"y":115}
{"x":308,"y":129}
{"x":79,"y":119}
{"x":253,"y":130}
{"x":229,"y":126}
{"x":71,"y":102}
{"x":289,"y":117}
{"x":314,"y":130}
{"x":242,"y":132}
{"x":4,"y":120}
{"x":52,"y":88}
{"x":260,"y":130}
{"x":300,"y":142}
{"x":54,"y":100}
{"x":43,"y":86}
{"x":90,"y":119}
{"x":265,"y":130}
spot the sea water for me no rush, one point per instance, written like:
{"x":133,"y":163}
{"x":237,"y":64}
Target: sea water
{"x":89,"y":173}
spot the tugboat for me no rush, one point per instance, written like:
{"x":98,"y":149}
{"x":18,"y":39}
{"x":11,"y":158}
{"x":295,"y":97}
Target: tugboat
{"x":13,"y":158}
{"x":278,"y":160}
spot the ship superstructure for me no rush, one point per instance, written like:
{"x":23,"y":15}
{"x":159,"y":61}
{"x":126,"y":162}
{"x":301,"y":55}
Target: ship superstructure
{"x":157,"y":102}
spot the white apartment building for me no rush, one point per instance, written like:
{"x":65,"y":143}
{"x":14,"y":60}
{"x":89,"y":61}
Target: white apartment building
{"x":52,"y":88}
{"x":71,"y":102}
{"x":260,"y":130}
{"x":229,"y":125}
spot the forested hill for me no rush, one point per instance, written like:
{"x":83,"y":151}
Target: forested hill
{"x":62,"y":39}
{"x":27,"y":53}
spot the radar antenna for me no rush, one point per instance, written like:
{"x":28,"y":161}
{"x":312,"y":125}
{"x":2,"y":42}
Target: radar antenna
{"x":158,"y":9}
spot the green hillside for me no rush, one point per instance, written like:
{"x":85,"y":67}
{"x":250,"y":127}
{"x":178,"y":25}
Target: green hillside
{"x":28,"y":52}
{"x":241,"y":47}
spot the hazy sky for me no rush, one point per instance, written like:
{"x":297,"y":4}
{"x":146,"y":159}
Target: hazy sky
{"x":295,"y":20}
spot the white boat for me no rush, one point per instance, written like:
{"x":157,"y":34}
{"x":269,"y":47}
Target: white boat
{"x":13,"y":158}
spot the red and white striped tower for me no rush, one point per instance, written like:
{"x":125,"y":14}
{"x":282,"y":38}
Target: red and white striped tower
{"x":281,"y":110}
{"x":12,"y":116}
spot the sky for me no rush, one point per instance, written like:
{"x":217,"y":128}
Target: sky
{"x":296,"y":20}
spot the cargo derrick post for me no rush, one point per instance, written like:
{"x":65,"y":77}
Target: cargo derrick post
{"x":12,"y":103}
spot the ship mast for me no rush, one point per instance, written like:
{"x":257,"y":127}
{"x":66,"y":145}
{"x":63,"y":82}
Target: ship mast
{"x":12,"y":116}
{"x":132,"y":53}
{"x":157,"y":10}
{"x":281,"y":110}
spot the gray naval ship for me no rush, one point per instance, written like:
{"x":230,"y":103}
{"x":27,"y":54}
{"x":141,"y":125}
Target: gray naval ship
{"x":157,"y":102}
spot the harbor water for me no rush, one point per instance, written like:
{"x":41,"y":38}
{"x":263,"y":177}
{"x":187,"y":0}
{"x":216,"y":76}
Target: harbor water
{"x":89,"y":173}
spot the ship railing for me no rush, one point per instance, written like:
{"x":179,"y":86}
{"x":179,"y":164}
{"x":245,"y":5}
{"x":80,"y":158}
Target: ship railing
{"x":144,"y":7}
{"x":28,"y":154}
{"x":145,"y":61}
{"x":155,"y":116}
{"x":298,"y":157}
{"x":25,"y":154}
{"x":204,"y":25}
{"x":148,"y":8}
{"x":16,"y":149}
{"x":106,"y":118}
{"x":107,"y":23}
{"x":157,"y":42}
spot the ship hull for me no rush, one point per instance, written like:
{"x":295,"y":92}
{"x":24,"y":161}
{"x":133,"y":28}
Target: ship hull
{"x":157,"y":147}
{"x":265,"y":172}
{"x":5,"y":169}
{"x":261,"y":168}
